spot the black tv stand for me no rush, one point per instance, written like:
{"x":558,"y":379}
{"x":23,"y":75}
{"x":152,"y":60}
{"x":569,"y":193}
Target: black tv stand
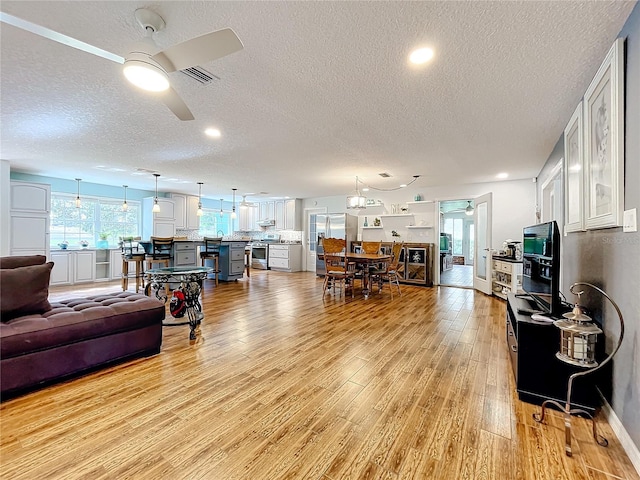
{"x":539,"y":374}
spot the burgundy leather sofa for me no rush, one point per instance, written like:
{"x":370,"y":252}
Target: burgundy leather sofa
{"x":42,"y":342}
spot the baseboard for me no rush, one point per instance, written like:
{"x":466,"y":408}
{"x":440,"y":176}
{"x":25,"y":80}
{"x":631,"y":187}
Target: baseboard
{"x":616,"y":425}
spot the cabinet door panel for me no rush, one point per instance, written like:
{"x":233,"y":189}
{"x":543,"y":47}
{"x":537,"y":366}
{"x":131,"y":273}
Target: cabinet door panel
{"x":61,"y":272}
{"x":116,"y":264}
{"x":164,"y":229}
{"x":85,"y":266}
{"x":33,"y":198}
{"x":29,"y":233}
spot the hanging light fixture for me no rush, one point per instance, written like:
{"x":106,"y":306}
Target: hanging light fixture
{"x":221,"y":211}
{"x":156,"y":207}
{"x":199,"y":211}
{"x":469,"y":209}
{"x":125,"y":207}
{"x":357,"y":201}
{"x":233,"y":209}
{"x":78,"y":202}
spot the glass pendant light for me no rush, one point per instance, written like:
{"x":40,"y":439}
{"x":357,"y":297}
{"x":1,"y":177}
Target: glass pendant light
{"x":233,"y":209}
{"x":469,"y":209}
{"x":125,"y":207}
{"x":221,"y":211}
{"x":357,"y":201}
{"x":156,"y":207}
{"x":78,"y":202}
{"x":199,"y":211}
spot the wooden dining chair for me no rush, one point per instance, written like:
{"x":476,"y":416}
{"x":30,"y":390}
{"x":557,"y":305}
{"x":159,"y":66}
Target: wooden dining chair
{"x":337,"y":269}
{"x":391,"y":275}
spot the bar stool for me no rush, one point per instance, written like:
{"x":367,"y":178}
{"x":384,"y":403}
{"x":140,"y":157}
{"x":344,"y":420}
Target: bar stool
{"x":132,"y":253}
{"x":211,"y":251}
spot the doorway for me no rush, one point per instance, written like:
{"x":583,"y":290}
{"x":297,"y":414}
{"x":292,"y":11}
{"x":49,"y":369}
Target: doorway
{"x":457,"y":243}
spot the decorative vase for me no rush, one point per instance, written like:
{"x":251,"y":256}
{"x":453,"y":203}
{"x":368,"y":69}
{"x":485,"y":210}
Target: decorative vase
{"x":102,"y":244}
{"x":366,"y":223}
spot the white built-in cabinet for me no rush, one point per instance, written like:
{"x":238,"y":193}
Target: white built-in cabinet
{"x":70,"y":267}
{"x":248,"y":218}
{"x":285,"y":257}
{"x":285,"y":213}
{"x":29,"y":218}
{"x":186,"y":211}
{"x":161,"y":224}
{"x":116,"y":264}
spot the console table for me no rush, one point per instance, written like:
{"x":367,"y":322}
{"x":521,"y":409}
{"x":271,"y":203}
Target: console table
{"x":538,"y":373}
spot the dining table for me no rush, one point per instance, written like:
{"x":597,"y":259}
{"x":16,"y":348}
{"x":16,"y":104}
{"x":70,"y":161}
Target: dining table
{"x":365,"y":260}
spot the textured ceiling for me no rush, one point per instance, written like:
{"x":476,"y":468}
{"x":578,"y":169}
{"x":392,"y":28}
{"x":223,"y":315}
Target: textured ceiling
{"x":321,"y":93}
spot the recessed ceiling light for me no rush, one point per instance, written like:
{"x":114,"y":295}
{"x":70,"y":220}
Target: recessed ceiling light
{"x":213,"y":132}
{"x":365,"y":189}
{"x":421,"y":55}
{"x":502,"y":175}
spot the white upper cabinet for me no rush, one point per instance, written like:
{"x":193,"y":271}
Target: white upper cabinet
{"x":30,"y":197}
{"x":186,"y":211}
{"x":292,"y":214}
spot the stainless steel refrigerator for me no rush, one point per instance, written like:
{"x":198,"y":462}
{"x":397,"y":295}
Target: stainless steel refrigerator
{"x":333,"y":225}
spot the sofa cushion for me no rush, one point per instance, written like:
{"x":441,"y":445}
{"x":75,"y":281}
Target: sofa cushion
{"x":21,"y":261}
{"x":24,"y":291}
{"x":77,"y":320}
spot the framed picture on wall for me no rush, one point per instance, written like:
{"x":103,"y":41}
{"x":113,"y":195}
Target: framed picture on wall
{"x":573,"y":173}
{"x":604,"y":143}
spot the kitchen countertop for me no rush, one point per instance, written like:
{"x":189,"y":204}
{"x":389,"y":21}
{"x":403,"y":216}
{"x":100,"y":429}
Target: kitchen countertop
{"x":506,"y":259}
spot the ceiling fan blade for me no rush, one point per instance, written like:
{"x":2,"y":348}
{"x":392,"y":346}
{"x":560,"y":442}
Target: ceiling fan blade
{"x":58,"y":37}
{"x":202,"y":49}
{"x":172,"y":100}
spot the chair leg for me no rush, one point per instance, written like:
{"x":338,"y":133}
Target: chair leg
{"x":216,"y":265}
{"x":125,"y":275}
{"x":138,"y":275}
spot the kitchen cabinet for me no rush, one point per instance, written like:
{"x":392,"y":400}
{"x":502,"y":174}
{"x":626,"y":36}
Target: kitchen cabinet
{"x":30,"y":205}
{"x":103,"y":265}
{"x":285,"y":257}
{"x":185,"y":254}
{"x":279,"y":214}
{"x":71,"y":267}
{"x":161,"y":224}
{"x":186,"y":211}
{"x":506,"y":277}
{"x":231,"y":261}
{"x":293,"y":214}
{"x":247,"y":218}
{"x":116,"y":264}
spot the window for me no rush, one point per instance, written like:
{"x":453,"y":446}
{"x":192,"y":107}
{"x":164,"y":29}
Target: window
{"x":94,"y":218}
{"x":454,"y":227}
{"x":214,"y":225}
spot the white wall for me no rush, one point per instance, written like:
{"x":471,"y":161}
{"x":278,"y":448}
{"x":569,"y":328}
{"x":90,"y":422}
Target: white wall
{"x":513,"y":203}
{"x":5,"y":188}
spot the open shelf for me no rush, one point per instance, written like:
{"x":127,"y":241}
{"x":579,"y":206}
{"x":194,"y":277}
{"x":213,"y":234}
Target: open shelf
{"x":396,"y":215}
{"x":373,"y":228}
{"x":419,"y":226}
{"x":421,"y":202}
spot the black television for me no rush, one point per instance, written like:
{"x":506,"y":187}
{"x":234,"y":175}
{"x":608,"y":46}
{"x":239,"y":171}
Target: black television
{"x":541,"y":266}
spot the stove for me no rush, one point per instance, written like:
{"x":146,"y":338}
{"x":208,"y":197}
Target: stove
{"x":260,"y":250}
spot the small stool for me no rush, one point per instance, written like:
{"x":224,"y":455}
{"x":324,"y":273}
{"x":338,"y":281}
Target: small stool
{"x":211,"y":250}
{"x":215,"y":257}
{"x":138,"y":259}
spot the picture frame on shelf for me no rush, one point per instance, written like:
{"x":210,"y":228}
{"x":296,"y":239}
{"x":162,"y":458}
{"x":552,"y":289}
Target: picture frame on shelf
{"x":574,"y":173}
{"x":604,"y":143}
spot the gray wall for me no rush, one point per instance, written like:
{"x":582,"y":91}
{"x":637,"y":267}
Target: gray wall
{"x":610,"y":258}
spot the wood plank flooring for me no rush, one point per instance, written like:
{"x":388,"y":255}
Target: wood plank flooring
{"x":281,"y":385}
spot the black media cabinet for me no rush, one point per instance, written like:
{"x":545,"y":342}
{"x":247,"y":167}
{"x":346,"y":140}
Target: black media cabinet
{"x":539,"y":374}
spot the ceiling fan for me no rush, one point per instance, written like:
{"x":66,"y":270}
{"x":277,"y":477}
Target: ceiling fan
{"x":145,"y":66}
{"x":244,"y":202}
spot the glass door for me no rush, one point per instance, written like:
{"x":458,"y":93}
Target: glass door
{"x":482,"y":254}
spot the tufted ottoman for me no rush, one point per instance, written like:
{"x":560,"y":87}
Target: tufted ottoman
{"x":76,"y":336}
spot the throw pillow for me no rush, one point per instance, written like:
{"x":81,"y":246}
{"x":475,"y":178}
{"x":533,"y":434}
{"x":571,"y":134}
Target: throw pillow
{"x":22,"y":261}
{"x":24,"y":291}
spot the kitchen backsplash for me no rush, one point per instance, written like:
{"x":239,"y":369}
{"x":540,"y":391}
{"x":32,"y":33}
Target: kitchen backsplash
{"x":285,"y":235}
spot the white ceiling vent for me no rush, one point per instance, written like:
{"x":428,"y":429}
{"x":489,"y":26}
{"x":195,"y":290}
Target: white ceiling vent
{"x":200,"y":74}
{"x":385,"y":175}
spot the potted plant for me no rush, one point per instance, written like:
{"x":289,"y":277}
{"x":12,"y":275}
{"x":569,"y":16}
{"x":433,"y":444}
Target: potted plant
{"x":103,"y":242}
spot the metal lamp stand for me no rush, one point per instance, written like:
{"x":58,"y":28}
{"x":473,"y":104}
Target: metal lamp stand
{"x":566,"y":409}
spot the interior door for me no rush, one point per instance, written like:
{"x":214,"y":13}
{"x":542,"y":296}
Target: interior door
{"x":482,"y":254}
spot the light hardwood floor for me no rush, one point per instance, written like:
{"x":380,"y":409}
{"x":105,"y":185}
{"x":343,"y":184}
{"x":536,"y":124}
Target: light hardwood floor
{"x":283,"y":385}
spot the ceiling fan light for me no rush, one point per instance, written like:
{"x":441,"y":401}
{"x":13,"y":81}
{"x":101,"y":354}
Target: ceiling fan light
{"x":145,"y":75}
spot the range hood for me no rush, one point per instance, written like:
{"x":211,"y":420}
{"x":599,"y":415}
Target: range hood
{"x":267,"y":223}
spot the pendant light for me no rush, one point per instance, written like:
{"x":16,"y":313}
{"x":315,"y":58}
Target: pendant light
{"x":125,"y":207}
{"x":357,"y":201}
{"x":156,"y":207}
{"x":233,"y":209}
{"x":221,"y":211}
{"x":78,"y":202}
{"x":469,"y":209}
{"x":199,"y":211}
